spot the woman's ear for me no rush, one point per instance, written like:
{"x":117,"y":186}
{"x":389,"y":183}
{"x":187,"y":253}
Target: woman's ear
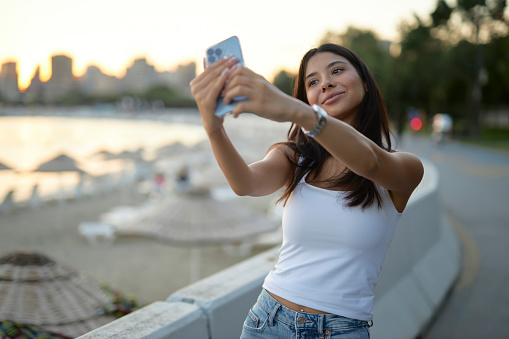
{"x":365,"y":87}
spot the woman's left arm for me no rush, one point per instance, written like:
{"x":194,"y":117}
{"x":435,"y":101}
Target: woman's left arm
{"x":398,"y":172}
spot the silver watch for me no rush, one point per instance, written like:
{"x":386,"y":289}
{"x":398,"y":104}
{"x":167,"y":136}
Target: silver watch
{"x":321,"y":117}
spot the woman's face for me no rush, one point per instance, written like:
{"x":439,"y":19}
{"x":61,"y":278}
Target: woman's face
{"x":333,"y":83}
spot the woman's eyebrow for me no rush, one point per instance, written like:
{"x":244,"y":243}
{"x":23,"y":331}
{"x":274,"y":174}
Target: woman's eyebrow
{"x":328,"y":66}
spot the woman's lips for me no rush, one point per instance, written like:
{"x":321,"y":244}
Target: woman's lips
{"x":332,"y":99}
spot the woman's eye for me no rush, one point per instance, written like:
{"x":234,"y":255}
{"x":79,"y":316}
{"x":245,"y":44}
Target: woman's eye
{"x":311,"y":83}
{"x":336,"y":70}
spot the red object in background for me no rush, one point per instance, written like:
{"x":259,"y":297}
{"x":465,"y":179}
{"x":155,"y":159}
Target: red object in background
{"x":416,"y":124}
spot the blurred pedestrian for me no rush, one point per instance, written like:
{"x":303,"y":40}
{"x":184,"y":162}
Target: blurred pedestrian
{"x":160,"y":184}
{"x":441,"y":128}
{"x":182,"y":180}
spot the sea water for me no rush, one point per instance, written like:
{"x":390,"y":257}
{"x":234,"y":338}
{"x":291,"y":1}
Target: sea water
{"x":28,"y":140}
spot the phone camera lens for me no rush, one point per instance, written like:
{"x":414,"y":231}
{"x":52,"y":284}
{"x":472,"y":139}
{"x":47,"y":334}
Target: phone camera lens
{"x":218,"y":51}
{"x":211,"y":59}
{"x":210,"y":51}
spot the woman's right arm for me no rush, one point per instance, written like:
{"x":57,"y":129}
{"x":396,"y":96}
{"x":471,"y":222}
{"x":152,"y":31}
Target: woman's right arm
{"x":258,"y":179}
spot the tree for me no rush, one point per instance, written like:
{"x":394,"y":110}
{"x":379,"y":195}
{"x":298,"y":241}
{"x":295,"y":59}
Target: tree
{"x":441,"y":14}
{"x":285,"y":82}
{"x":478,"y":22}
{"x":422,"y":69}
{"x":497,"y":69}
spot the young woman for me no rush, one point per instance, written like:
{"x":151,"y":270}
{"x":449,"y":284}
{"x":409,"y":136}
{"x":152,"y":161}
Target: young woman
{"x":345,"y":189}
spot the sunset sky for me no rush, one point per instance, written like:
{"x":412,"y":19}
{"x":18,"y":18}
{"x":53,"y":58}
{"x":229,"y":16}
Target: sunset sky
{"x":110,"y":34}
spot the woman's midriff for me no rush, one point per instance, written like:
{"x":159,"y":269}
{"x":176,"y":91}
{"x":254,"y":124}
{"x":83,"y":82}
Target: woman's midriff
{"x":295,"y":307}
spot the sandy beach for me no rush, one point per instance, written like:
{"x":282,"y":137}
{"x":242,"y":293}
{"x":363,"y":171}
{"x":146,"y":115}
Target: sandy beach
{"x":144,"y":268}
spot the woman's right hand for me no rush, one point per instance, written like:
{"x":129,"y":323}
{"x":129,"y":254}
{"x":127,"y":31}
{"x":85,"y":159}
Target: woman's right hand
{"x":206,"y":88}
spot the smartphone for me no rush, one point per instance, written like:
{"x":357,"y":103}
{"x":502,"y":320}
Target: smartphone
{"x":214,"y":53}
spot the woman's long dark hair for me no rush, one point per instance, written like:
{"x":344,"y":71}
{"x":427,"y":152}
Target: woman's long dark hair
{"x":371,"y":120}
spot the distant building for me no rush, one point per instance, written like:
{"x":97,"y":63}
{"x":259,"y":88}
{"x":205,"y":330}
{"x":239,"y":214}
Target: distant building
{"x":139,"y":76}
{"x":185,"y":74}
{"x":34,"y":92}
{"x":95,"y":83}
{"x":178,"y":80}
{"x":9,"y":90}
{"x":168,"y":79}
{"x":61,"y":81}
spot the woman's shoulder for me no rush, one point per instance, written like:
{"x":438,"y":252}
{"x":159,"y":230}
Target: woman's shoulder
{"x":286,"y":148}
{"x":411,"y":161}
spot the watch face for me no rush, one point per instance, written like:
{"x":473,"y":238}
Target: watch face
{"x":321,"y":116}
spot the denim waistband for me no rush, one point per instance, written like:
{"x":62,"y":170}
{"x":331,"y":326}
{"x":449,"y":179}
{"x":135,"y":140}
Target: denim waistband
{"x":302,"y":319}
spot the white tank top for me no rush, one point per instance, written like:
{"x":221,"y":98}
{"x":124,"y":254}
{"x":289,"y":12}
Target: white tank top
{"x":331,"y":254}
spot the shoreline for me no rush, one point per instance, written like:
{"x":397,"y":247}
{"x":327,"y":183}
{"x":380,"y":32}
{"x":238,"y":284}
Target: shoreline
{"x":176,"y":115}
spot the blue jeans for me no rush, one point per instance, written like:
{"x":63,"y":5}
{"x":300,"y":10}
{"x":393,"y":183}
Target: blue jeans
{"x":269,"y":319}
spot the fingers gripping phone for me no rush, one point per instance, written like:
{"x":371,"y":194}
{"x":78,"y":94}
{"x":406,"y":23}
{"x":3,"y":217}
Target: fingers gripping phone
{"x":230,"y":46}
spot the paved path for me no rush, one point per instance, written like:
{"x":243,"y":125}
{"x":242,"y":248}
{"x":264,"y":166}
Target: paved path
{"x":474,"y":188}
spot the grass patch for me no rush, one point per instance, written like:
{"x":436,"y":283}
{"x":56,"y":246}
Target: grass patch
{"x":497,"y":138}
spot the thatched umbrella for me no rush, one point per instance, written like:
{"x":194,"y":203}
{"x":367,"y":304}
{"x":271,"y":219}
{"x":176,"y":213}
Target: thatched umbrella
{"x":62,"y":163}
{"x":135,"y":156}
{"x":7,"y":202}
{"x":194,"y":218}
{"x":143,"y":168}
{"x":172,"y":149}
{"x":104,"y":154}
{"x":4,"y":167}
{"x":36,"y":291}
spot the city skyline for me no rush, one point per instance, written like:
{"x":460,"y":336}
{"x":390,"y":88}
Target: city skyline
{"x":274,"y":35}
{"x":139,"y":76}
{"x":47,"y":76}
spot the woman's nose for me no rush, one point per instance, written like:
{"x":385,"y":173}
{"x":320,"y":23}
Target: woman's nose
{"x":327,"y":85}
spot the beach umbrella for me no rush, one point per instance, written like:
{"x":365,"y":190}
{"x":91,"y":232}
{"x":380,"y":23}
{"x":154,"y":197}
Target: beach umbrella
{"x":135,"y":156}
{"x":143,"y":168}
{"x":37,"y":291}
{"x":104,"y":154}
{"x":62,"y":163}
{"x":172,"y":149}
{"x":4,"y":167}
{"x":7,"y":202}
{"x":194,"y":218}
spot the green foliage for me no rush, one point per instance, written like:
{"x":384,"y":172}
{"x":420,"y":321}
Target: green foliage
{"x":497,"y":9}
{"x":492,"y":138}
{"x":481,"y":20}
{"x":285,"y":82}
{"x":70,"y":99}
{"x":101,"y":99}
{"x":168,"y":96}
{"x":441,"y":14}
{"x":12,"y":329}
{"x":121,"y":304}
{"x":497,"y":68}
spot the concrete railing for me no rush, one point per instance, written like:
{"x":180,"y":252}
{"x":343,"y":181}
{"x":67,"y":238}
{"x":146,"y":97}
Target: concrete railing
{"x":421,"y":266}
